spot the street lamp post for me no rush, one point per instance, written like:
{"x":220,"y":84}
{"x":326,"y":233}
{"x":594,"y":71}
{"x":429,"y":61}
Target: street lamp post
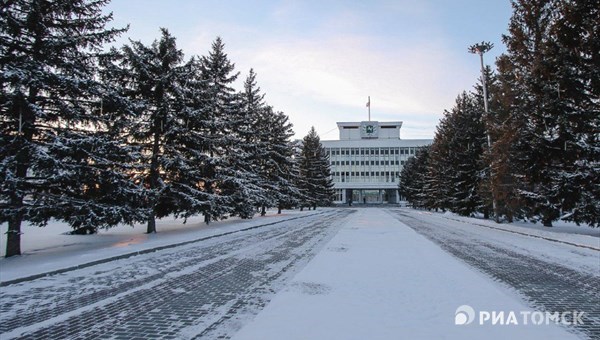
{"x":480,"y":49}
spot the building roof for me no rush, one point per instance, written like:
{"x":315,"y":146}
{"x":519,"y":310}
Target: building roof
{"x":365,"y":143}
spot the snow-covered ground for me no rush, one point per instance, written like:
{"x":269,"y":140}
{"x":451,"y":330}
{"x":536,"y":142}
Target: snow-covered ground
{"x":379,"y":279}
{"x":51,"y":248}
{"x":560,"y":231}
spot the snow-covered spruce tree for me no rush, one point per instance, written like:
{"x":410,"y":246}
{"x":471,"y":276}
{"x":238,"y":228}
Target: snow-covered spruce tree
{"x":59,"y":157}
{"x":157,"y":86}
{"x":576,"y":31}
{"x":316,"y":183}
{"x":466,"y":142}
{"x":230,"y":174}
{"x":254,"y":141}
{"x":301,"y":195}
{"x":266,"y":138}
{"x":412,"y":178}
{"x":503,"y":127}
{"x":455,"y":167}
{"x":437,"y":187}
{"x":552,"y":53}
{"x":278,"y":168}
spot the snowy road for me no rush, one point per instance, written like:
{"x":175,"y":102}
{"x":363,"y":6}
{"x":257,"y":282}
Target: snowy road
{"x":550,"y":276}
{"x":204,"y":289}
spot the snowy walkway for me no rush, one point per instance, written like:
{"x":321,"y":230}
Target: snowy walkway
{"x":50,"y":248}
{"x":195,"y":290}
{"x":379,"y":279}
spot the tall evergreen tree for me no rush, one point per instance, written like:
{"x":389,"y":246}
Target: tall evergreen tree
{"x":59,"y":158}
{"x":254,"y":137}
{"x":467,"y":141}
{"x":550,"y":61}
{"x":280,"y":162}
{"x":267,"y":140}
{"x":412,"y":178}
{"x":316,"y":184}
{"x":455,"y":166}
{"x":437,"y":186}
{"x":161,"y":124}
{"x":230,"y":172}
{"x":504,"y":128}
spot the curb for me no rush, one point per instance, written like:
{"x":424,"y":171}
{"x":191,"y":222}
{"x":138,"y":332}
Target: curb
{"x":141,"y":252}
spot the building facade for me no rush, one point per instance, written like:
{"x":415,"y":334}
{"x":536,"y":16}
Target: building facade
{"x":367,"y":160}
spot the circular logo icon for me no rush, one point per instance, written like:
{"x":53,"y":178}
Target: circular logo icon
{"x":464,"y":315}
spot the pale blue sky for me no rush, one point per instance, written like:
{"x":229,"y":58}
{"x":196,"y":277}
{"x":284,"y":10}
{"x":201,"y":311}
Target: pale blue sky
{"x":317,"y":61}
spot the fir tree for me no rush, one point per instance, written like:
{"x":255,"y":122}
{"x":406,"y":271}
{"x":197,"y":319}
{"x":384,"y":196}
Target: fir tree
{"x":230,"y":172}
{"x":316,"y":184}
{"x":59,"y":158}
{"x":437,"y":186}
{"x":467,"y":141}
{"x":279,"y":167}
{"x":412,"y":178}
{"x":267,"y":140}
{"x":455,"y":165}
{"x":550,"y":63}
{"x":254,"y":136}
{"x":162,"y":124}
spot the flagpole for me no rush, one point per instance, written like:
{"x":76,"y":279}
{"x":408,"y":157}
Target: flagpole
{"x":369,"y":106}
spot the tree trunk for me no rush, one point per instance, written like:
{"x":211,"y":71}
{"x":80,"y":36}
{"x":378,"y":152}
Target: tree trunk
{"x":13,"y":236}
{"x":263,"y":211}
{"x":154,"y":174}
{"x":279,"y":209}
{"x":301,"y":208}
{"x":151,"y":224}
{"x":206,"y":219}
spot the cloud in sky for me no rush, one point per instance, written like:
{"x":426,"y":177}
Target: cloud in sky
{"x":319,"y":60}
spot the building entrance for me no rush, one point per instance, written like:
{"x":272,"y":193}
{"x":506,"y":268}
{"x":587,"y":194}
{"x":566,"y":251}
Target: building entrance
{"x":371,"y":196}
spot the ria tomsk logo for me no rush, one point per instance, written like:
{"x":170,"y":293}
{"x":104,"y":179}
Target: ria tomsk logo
{"x":464,"y":315}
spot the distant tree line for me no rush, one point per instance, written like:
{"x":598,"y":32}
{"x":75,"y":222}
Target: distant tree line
{"x":544,"y":126}
{"x":98,"y":137}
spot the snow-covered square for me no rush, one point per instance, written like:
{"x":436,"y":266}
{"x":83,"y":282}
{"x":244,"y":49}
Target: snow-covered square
{"x":336,"y":273}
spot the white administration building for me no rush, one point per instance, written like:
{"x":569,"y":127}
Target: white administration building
{"x":367,"y":159}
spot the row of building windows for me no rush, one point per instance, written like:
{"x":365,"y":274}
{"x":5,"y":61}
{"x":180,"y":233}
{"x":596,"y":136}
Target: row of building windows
{"x":372,"y":151}
{"x":366,"y":173}
{"x":387,"y":162}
